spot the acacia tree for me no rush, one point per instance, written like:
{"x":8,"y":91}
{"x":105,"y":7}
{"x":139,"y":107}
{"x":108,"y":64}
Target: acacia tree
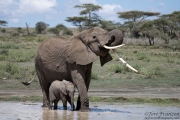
{"x":109,"y":25}
{"x":135,"y":16}
{"x":88,"y":10}
{"x":41,"y":26}
{"x":3,"y":23}
{"x":173,"y":20}
{"x":149,"y":30}
{"x":88,"y":16}
{"x":60,"y":27}
{"x":77,"y":21}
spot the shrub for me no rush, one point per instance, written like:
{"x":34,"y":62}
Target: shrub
{"x":4,"y":52}
{"x":119,"y":68}
{"x":29,"y":38}
{"x":67,"y":32}
{"x":21,"y":55}
{"x":9,"y":45}
{"x":94,"y":76}
{"x":143,"y":56}
{"x":153,"y":73}
{"x":3,"y":30}
{"x":11,"y":70}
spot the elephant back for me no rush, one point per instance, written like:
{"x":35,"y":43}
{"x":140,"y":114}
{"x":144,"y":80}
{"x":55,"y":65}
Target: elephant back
{"x":52,"y":54}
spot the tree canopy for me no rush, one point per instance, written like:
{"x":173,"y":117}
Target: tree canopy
{"x":77,"y":21}
{"x":135,"y":15}
{"x":41,"y":26}
{"x":88,"y":16}
{"x":3,"y":23}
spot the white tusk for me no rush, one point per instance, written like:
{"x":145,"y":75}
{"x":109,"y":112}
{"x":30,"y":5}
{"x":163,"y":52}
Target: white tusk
{"x":127,"y":65}
{"x":114,"y":47}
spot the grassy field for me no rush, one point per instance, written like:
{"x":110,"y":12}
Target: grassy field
{"x":158,"y":65}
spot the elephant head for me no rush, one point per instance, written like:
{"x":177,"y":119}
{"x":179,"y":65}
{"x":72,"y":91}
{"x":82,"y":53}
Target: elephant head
{"x":86,"y":46}
{"x":69,"y":87}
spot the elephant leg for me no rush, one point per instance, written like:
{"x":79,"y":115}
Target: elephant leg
{"x":78,"y":105}
{"x":78,"y":76}
{"x":55,"y":104}
{"x":88,"y":75}
{"x":87,"y":82}
{"x":71,"y":102}
{"x":45,"y":88}
{"x":50,"y":105}
{"x":64,"y":104}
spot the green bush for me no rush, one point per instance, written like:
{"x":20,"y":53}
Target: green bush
{"x":9,"y":45}
{"x":118,"y":68}
{"x":94,"y":76}
{"x":4,"y":52}
{"x":29,"y":38}
{"x":11,"y":70}
{"x":152,"y":73}
{"x":21,"y":55}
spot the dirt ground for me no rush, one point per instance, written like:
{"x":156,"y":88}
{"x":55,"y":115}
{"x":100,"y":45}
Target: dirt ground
{"x":142,"y":93}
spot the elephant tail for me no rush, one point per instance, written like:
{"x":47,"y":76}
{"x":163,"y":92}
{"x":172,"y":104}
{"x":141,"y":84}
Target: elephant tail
{"x":29,"y":82}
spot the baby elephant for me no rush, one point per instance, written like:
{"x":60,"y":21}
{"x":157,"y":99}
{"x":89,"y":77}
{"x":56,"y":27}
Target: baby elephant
{"x":63,"y":90}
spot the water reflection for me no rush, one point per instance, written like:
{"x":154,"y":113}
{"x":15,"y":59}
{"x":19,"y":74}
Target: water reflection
{"x":61,"y":114}
{"x":57,"y":115}
{"x":107,"y":110}
{"x":99,"y":111}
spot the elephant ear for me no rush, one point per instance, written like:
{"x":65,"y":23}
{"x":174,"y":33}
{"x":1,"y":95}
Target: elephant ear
{"x":105,"y":59}
{"x":63,"y":88}
{"x":79,"y":53}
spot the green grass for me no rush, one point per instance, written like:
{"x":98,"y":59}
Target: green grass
{"x":22,"y":98}
{"x":158,"y":65}
{"x":10,"y":45}
{"x":134,"y":100}
{"x":159,"y":101}
{"x":12,"y":70}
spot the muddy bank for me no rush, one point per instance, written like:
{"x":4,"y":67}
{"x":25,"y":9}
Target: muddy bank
{"x":99,"y":111}
{"x":143,"y":93}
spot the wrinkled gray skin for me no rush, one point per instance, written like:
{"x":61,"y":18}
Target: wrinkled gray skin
{"x":61,"y":90}
{"x":58,"y":58}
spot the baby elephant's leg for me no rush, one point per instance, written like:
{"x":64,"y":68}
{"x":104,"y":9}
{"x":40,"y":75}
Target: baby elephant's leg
{"x":64,"y":100}
{"x":71,"y":102}
{"x":55,"y":104}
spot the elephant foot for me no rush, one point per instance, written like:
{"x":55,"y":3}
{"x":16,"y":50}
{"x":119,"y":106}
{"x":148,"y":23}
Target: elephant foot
{"x":45,"y":106}
{"x":84,"y":110}
{"x":55,"y":107}
{"x":77,"y":108}
{"x":65,"y":107}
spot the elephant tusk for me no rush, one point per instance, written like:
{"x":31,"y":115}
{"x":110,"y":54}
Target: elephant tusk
{"x":127,"y":65}
{"x":114,"y":47}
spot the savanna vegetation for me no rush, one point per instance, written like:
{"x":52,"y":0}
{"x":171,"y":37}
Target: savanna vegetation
{"x":152,"y":47}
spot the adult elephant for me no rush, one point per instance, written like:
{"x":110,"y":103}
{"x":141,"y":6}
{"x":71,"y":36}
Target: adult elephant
{"x":58,"y":59}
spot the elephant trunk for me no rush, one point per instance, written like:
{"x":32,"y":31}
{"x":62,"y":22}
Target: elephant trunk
{"x":117,"y":38}
{"x":116,"y":42}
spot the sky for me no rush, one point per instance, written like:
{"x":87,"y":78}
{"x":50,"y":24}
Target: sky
{"x":53,"y":12}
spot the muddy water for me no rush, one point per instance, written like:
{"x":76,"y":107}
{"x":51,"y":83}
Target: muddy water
{"x":99,"y":111}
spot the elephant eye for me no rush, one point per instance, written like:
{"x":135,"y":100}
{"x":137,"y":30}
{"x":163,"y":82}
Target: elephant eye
{"x":94,"y":37}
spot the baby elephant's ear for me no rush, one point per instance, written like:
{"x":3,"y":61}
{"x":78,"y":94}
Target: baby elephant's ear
{"x":63,"y":89}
